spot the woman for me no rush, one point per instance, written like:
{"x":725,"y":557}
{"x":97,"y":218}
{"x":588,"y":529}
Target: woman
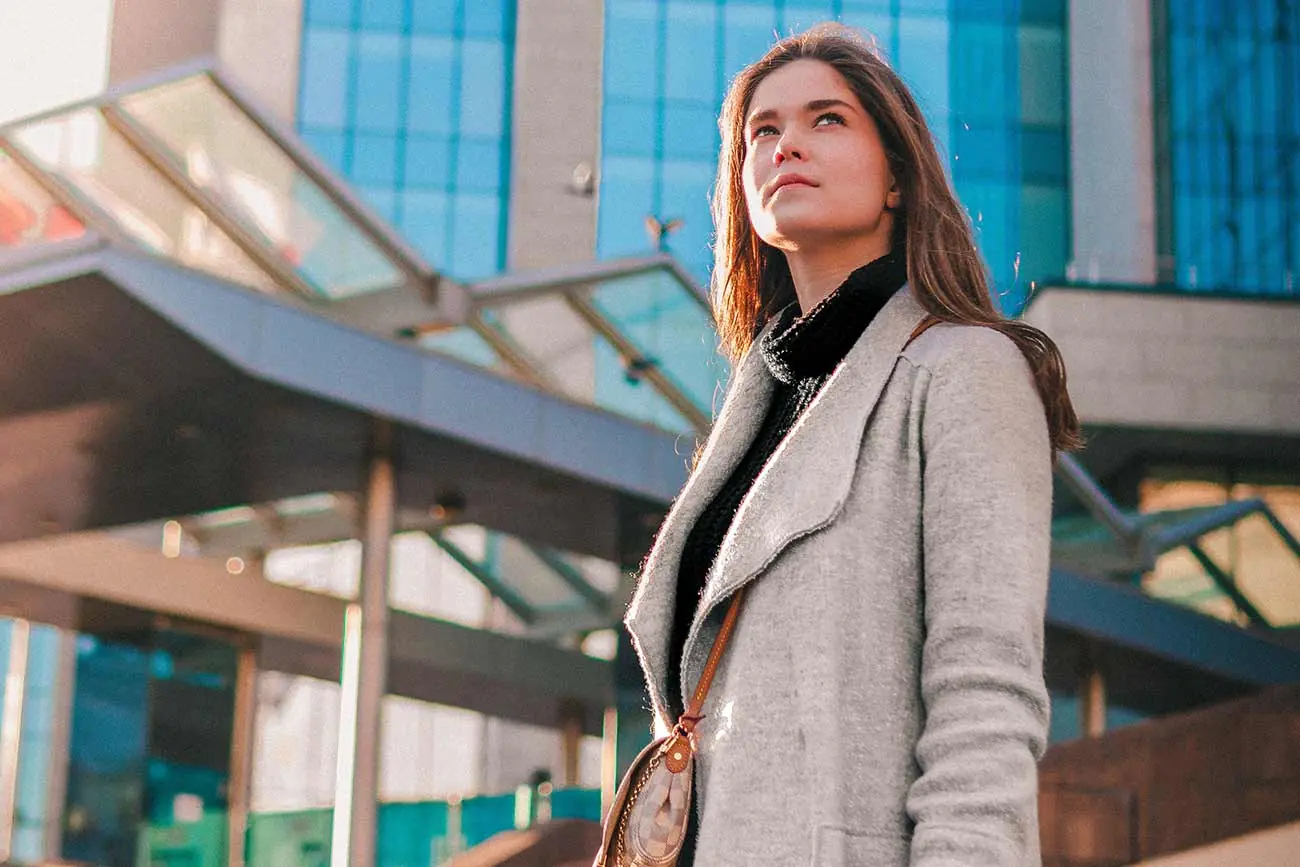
{"x":882,"y":489}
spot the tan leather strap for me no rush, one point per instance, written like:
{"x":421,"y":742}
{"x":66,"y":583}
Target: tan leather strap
{"x":687,"y":722}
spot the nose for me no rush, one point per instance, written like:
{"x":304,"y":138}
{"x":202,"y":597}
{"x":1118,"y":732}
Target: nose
{"x":786,"y":149}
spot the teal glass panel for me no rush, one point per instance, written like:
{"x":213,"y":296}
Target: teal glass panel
{"x":670,"y":328}
{"x":433,"y":76}
{"x":294,"y":839}
{"x":1234,"y":133}
{"x":576,"y":804}
{"x":485,"y":816}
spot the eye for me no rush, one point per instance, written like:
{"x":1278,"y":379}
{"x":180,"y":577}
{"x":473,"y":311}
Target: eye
{"x":764,"y":130}
{"x":830,"y":115}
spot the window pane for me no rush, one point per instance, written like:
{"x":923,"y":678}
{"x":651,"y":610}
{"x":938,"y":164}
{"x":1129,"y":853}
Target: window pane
{"x":429,"y":90}
{"x":482,"y":88}
{"x":486,"y":18}
{"x":324,"y":101}
{"x":382,"y":14}
{"x":690,"y":57}
{"x":374,"y":159}
{"x":329,"y":13}
{"x":478,"y":166}
{"x":428,"y":162}
{"x":379,"y":83}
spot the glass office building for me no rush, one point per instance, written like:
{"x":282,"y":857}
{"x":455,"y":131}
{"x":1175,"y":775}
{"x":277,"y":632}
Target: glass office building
{"x":990,"y":76}
{"x":1228,"y":123}
{"x":410,"y":102}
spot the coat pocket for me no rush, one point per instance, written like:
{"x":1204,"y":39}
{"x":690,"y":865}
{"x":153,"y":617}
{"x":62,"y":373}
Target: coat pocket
{"x":834,"y":846}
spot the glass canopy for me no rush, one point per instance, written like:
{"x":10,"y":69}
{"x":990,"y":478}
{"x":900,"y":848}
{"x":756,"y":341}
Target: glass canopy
{"x":634,"y":336}
{"x":185,"y":168}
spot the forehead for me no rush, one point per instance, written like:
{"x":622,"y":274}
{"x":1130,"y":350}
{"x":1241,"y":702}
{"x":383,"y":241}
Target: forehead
{"x":791,"y":86}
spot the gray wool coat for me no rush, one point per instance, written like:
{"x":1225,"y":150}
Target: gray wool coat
{"x":882,"y":701}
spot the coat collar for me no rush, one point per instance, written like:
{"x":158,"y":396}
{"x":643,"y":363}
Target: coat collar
{"x":801,"y":489}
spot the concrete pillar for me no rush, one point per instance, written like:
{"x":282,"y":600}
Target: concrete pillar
{"x":241,"y":756}
{"x":555,"y":108}
{"x":365,"y":669}
{"x":1112,"y":161}
{"x":1092,"y":704}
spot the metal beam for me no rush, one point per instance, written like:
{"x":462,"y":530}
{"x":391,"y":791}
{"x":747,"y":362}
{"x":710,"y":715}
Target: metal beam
{"x":530,"y":285}
{"x":1228,"y":586}
{"x":576,"y":581}
{"x":514,"y":601}
{"x":299,"y":631}
{"x":1125,"y":616}
{"x":1095,"y":499}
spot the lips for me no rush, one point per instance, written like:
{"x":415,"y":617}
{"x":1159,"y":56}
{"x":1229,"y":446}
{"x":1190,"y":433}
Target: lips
{"x":787,"y":180}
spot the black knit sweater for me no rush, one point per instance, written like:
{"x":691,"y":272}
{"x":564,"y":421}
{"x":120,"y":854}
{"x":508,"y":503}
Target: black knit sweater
{"x":801,"y":353}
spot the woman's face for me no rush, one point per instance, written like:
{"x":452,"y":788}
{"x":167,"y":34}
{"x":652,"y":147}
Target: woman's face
{"x":815,"y":169}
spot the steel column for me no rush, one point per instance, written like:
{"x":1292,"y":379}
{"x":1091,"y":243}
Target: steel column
{"x":11,"y":732}
{"x":241,"y":754}
{"x":365,"y":669}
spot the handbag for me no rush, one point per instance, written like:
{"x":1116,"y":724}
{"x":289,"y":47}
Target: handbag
{"x":646,"y":824}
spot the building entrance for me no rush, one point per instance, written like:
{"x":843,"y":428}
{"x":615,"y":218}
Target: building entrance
{"x":150,"y":753}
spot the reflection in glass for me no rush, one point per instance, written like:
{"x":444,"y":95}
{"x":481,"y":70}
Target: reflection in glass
{"x":28,"y":214}
{"x":87,"y":155}
{"x":673,"y":330}
{"x":224,"y":152}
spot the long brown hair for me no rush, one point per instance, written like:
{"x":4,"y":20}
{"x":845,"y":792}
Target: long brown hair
{"x":751,"y":280}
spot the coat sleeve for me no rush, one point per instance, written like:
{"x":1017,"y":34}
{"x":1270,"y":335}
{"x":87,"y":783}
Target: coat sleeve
{"x":986,"y":513}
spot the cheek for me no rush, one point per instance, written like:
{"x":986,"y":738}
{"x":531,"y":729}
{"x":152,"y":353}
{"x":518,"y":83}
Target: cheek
{"x":752,"y":183}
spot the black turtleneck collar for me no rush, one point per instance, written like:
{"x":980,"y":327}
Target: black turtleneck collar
{"x":799,"y":347}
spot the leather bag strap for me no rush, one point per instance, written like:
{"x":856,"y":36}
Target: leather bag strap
{"x":692,"y":716}
{"x":686,"y":724}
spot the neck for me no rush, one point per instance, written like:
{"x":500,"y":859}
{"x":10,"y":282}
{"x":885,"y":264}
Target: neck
{"x":819,"y":271}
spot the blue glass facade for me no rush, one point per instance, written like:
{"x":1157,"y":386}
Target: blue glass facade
{"x":410,"y":101}
{"x":1233,"y":127}
{"x":991,"y":76}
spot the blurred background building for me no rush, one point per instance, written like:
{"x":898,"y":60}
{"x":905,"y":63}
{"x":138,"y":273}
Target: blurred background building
{"x":284,"y":280}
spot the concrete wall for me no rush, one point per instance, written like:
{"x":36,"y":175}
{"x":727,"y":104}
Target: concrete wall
{"x":1183,"y":362}
{"x":259,"y":43}
{"x":1111,"y":142}
{"x":256,"y":42}
{"x":151,"y":35}
{"x":556,"y":109}
{"x":558,"y":50}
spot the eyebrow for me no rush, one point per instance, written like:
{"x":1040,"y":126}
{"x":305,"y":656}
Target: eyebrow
{"x":815,"y":105}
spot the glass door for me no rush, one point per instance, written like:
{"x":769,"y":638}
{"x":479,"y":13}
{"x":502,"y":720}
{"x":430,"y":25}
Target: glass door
{"x":150,"y":755}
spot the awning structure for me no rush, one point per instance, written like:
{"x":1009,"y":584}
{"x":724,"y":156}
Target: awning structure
{"x":239,"y":284}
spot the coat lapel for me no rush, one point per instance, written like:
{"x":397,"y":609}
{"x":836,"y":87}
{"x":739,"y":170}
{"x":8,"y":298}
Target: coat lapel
{"x":650,"y":614}
{"x":807,"y":480}
{"x":801,"y":489}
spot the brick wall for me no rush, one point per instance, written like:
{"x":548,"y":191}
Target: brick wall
{"x":1172,"y":784}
